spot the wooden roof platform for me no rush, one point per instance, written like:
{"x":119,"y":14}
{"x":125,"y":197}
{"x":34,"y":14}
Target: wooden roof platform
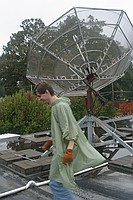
{"x":127,"y":130}
{"x":27,"y":163}
{"x":25,"y":158}
{"x":29,"y":142}
{"x":123,"y":164}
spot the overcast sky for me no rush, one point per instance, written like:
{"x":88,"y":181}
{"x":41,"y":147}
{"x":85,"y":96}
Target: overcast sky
{"x":13,"y":12}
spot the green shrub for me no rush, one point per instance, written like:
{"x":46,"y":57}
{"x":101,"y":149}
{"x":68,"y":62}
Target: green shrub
{"x":22,"y":113}
{"x":78,"y":107}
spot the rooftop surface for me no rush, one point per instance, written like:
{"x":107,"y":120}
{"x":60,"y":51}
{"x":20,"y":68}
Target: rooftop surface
{"x":105,"y":185}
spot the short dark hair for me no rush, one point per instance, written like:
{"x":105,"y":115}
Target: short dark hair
{"x":42,"y":86}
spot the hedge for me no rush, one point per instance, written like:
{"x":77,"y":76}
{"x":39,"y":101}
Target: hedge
{"x":22,"y":113}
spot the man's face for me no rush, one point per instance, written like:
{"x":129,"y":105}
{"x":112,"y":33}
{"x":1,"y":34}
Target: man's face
{"x":43,"y":97}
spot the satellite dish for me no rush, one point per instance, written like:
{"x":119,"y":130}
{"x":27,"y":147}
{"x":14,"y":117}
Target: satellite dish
{"x":84,"y":50}
{"x":84,"y":45}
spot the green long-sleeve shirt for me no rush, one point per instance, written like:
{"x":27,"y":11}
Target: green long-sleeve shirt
{"x":64,"y":128}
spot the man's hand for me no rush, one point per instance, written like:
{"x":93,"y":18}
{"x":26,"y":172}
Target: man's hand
{"x":47,"y":145}
{"x":68,"y":156}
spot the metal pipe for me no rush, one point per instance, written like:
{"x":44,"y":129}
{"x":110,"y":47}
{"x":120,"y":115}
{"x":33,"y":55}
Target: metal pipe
{"x":90,"y":169}
{"x":30,"y":183}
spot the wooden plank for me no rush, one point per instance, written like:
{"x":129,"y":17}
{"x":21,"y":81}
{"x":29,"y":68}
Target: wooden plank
{"x":7,"y":151}
{"x":42,"y":134}
{"x":129,"y":130}
{"x":26,"y":144}
{"x":36,"y":141}
{"x":124,"y":164}
{"x":44,"y":162}
{"x":30,"y":153}
{"x":7,"y":159}
{"x":27,"y":167}
{"x":123,"y":134}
